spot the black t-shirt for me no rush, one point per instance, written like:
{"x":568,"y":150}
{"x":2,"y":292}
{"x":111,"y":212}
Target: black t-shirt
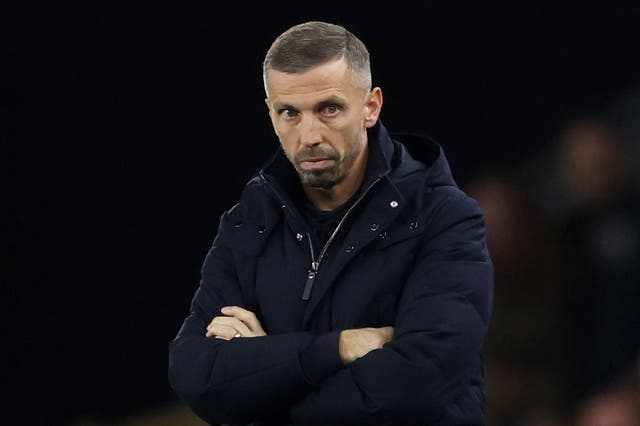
{"x":323,"y":223}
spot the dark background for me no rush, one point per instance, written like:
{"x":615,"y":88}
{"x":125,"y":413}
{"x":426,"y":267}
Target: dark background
{"x":130,"y":130}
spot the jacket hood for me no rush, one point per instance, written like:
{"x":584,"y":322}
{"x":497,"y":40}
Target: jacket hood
{"x":415,"y":153}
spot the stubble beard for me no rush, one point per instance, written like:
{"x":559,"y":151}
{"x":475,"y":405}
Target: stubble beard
{"x":329,"y":177}
{"x":323,"y":179}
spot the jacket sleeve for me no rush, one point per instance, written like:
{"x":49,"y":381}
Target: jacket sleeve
{"x":242,"y":380}
{"x":442,"y":318}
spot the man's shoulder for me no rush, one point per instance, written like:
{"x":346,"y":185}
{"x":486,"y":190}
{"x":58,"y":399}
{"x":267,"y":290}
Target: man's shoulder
{"x":255,"y":202}
{"x":423,"y":198}
{"x":254,"y":214}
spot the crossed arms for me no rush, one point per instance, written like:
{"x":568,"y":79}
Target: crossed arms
{"x":406,"y":373}
{"x":352,"y":344}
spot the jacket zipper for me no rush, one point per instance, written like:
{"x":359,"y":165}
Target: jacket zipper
{"x":315,"y":264}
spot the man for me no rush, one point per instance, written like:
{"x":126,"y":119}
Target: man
{"x":352,"y":283}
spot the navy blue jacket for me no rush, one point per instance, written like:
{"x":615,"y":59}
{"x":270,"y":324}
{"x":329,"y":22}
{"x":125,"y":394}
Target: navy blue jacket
{"x":411,"y":253}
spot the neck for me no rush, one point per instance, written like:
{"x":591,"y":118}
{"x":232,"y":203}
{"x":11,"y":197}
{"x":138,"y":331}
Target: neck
{"x":334,"y":197}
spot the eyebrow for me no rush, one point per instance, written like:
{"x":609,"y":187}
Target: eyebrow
{"x":331,"y":100}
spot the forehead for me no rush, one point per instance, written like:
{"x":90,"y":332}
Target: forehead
{"x":330,"y":79}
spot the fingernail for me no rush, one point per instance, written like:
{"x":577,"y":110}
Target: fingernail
{"x":225,"y":310}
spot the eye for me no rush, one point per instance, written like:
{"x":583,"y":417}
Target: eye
{"x":288,"y":114}
{"x":331,"y":110}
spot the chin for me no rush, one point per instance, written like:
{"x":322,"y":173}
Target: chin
{"x":323,"y":180}
{"x":322,"y":185}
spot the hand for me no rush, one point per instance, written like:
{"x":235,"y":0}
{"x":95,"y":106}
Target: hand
{"x":236,"y":320}
{"x":356,"y":343}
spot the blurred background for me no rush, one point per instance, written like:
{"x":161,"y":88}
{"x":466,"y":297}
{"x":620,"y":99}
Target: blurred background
{"x":129,"y":130}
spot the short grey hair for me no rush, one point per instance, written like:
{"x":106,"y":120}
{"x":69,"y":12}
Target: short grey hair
{"x":313,"y":43}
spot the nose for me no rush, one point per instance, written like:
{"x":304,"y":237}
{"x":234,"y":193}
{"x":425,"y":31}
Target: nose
{"x":309,"y":132}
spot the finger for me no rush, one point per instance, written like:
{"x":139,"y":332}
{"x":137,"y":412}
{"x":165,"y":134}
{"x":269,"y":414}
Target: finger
{"x":246,"y":316}
{"x":236,"y":324}
{"x":250,"y":319}
{"x":220,"y":330}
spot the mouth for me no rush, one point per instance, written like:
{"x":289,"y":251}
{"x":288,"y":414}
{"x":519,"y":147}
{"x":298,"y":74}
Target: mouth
{"x":316,"y":163}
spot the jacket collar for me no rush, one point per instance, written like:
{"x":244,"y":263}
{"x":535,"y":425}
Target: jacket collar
{"x":279,"y":173}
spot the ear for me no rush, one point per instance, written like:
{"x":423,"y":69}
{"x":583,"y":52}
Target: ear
{"x":373,"y":105}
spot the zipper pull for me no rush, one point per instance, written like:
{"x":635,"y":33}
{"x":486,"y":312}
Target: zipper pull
{"x":311,"y":278}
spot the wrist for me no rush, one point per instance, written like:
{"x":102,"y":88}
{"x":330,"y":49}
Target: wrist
{"x":344,"y":347}
{"x":352,"y":345}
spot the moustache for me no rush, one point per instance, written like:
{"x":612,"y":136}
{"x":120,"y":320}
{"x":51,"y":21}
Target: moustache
{"x":315,"y":152}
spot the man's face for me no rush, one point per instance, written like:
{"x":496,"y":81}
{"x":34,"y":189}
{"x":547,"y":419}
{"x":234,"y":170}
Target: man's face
{"x":320,"y":117}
